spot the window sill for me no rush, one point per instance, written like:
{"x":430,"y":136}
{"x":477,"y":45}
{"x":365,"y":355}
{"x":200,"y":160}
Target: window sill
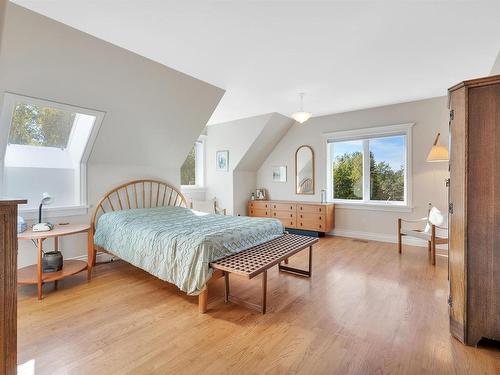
{"x":50,"y":212}
{"x":193,"y":188}
{"x":372,"y":206}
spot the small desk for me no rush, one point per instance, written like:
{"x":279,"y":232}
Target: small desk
{"x":33,"y":274}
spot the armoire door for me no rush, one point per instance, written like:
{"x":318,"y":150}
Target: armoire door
{"x":457,"y":213}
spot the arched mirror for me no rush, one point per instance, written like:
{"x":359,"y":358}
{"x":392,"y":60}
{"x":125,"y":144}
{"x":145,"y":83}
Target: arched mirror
{"x":304,"y":170}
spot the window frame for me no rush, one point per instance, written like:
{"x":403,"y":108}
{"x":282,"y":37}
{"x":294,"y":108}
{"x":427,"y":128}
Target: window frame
{"x":364,"y":135}
{"x":9,"y":101}
{"x":199,"y":166}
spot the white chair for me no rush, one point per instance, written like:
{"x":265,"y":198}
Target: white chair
{"x":433,"y":221}
{"x":210,"y":207}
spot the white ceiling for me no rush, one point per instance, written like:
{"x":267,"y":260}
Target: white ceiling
{"x":344,"y":55}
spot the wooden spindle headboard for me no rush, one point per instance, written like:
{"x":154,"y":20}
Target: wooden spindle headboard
{"x":138,"y":194}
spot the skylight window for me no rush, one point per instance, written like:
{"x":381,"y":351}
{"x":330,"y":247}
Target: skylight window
{"x":44,"y":146}
{"x":35,"y":125}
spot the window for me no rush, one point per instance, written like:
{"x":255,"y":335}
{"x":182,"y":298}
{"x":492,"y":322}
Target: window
{"x":370,"y":166}
{"x":192,"y":170}
{"x":45,"y":147}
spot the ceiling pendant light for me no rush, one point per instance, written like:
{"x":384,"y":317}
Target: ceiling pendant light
{"x":301,"y":116}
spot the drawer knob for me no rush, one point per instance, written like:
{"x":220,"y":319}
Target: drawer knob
{"x":291,"y":215}
{"x":320,"y":209}
{"x":301,"y":216}
{"x":275,"y":214}
{"x":320,"y":225}
{"x":291,"y":207}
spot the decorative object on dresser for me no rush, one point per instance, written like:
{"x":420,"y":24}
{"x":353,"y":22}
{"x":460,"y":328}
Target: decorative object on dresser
{"x":222,"y":160}
{"x":279,"y":174}
{"x":8,"y":289}
{"x":260,"y":194}
{"x":35,"y":274}
{"x":474,"y":212}
{"x":317,"y":217}
{"x":434,"y":221}
{"x":304,"y":170}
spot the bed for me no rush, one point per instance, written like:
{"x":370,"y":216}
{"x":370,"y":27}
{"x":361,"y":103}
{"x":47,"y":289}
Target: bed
{"x":147,"y":224}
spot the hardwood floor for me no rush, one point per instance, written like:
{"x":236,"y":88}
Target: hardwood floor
{"x":366,"y":310}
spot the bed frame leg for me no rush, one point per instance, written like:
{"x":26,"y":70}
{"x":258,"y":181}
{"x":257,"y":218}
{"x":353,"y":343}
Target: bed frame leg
{"x":203,"y":300}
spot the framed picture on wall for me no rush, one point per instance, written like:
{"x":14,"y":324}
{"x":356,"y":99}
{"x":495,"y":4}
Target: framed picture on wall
{"x":222,"y":160}
{"x":279,"y":174}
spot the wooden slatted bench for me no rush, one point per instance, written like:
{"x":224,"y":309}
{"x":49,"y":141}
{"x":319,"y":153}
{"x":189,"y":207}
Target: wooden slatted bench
{"x":258,"y":259}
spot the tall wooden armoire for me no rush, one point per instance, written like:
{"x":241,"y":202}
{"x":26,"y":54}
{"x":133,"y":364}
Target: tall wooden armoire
{"x":474,"y":210}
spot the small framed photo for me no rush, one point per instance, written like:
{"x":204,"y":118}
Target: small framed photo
{"x":222,"y":160}
{"x":261,"y":194}
{"x":279,"y":174}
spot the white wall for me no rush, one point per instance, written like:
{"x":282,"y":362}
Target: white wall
{"x":429,"y":116}
{"x":154,"y":114}
{"x":249,"y":141}
{"x":496,"y":65}
{"x":236,"y":137}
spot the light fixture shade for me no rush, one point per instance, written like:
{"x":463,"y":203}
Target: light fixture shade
{"x":301,"y":117}
{"x":438,"y":153}
{"x":46,"y":199}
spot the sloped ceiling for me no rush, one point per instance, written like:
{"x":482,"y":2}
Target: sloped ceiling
{"x":154,"y":114}
{"x":274,"y":129}
{"x":345,"y":55}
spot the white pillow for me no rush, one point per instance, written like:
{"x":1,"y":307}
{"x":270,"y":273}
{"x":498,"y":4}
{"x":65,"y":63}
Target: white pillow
{"x":435,"y":218}
{"x":204,"y":206}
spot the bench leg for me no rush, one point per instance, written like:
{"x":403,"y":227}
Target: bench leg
{"x":298,"y":271}
{"x":203,"y":300}
{"x":226,"y":287}
{"x":264,"y":292}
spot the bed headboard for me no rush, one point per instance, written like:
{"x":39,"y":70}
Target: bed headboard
{"x":138,"y":194}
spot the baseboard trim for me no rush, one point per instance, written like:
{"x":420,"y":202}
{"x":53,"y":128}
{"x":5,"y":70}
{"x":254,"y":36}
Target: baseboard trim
{"x":381,"y":237}
{"x":100,"y":257}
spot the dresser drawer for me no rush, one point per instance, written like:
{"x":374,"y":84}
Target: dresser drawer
{"x":259,"y":204}
{"x":259,"y":212}
{"x":283,"y":215}
{"x":311,"y":208}
{"x":290,"y":207}
{"x":312,"y":217}
{"x":311,"y":225}
{"x":288,"y":223}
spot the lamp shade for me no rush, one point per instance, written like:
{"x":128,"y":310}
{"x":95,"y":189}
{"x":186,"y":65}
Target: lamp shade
{"x":301,"y":117}
{"x":46,"y":199}
{"x":438,"y":153}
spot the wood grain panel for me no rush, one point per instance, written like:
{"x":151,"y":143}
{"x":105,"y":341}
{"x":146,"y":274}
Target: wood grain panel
{"x":289,"y":207}
{"x":259,"y":204}
{"x":483,"y":232}
{"x":259,"y":212}
{"x":283,"y":215}
{"x":311,"y":208}
{"x":457,"y":220}
{"x":8,"y":286}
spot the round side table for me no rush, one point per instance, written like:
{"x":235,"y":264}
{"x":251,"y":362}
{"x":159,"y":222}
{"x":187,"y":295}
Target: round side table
{"x":33,"y":274}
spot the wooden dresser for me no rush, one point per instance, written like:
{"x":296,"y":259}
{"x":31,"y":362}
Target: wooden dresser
{"x":8,"y":285}
{"x":474,"y":210}
{"x":318,"y":217}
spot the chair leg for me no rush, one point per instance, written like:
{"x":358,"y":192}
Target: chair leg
{"x":433,"y":245}
{"x":399,"y":237}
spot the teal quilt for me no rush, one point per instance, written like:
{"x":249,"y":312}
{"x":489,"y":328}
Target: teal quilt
{"x":177,"y":244}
